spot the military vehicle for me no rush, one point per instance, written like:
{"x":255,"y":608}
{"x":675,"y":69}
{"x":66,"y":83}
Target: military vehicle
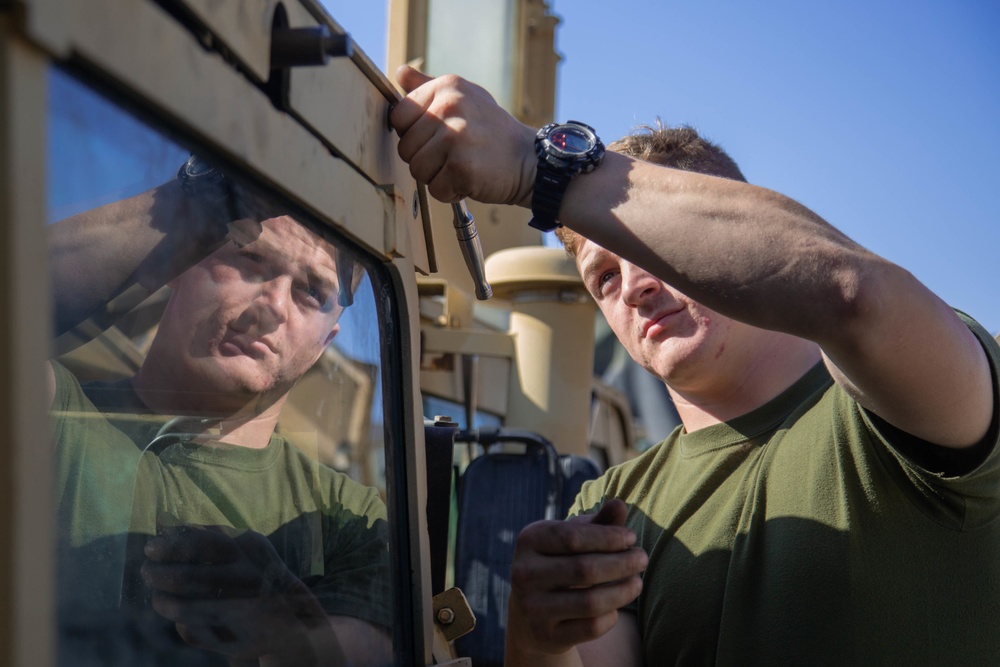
{"x":462,"y":390}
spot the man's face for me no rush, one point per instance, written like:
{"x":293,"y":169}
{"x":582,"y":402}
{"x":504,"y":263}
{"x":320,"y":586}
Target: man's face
{"x":251,"y":320}
{"x":674,"y":337}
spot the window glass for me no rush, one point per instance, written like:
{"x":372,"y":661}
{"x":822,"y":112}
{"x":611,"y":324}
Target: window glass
{"x":216,"y":412}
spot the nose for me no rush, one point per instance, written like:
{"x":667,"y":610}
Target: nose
{"x":637,"y":284}
{"x":273,"y":298}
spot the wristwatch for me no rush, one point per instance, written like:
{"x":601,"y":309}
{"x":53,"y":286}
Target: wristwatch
{"x":203,"y":181}
{"x":564,"y":150}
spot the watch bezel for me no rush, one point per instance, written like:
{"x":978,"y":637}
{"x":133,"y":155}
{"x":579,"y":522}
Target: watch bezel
{"x":581,"y":130}
{"x":579,"y":162}
{"x":557,"y":167}
{"x":199,"y":178}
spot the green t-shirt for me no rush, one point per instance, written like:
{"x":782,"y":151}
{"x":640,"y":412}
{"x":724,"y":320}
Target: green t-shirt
{"x":330,"y":531}
{"x":803,"y":534}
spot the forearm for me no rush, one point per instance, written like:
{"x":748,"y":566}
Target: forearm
{"x":744,"y":251}
{"x":147,"y":239}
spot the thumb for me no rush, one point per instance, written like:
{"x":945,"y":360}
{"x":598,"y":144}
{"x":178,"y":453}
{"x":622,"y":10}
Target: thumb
{"x":410,"y":79}
{"x":612,"y":513}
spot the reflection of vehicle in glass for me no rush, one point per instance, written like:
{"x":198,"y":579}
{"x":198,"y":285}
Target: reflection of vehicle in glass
{"x":101,"y":115}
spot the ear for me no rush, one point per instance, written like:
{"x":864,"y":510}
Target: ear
{"x":320,"y":348}
{"x":333,"y":332}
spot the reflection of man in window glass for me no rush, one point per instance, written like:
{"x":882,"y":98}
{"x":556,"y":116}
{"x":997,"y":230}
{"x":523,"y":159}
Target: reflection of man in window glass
{"x":241,"y":546}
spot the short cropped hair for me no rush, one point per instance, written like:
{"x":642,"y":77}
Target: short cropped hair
{"x":678,"y":147}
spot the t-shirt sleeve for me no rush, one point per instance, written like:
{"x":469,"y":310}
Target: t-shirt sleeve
{"x":964,"y":485}
{"x":357,"y":571}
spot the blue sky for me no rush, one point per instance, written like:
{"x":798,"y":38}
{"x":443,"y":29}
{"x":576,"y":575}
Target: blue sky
{"x":881,"y":116}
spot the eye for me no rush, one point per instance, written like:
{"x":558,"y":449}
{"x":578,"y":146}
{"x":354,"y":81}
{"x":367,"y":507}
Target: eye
{"x":252,"y":257}
{"x":251,"y":265}
{"x":252,"y":262}
{"x":601,"y":284}
{"x":313,"y":296}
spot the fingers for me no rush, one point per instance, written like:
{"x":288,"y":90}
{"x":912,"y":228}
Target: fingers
{"x":574,"y":617}
{"x":422,"y":122}
{"x":207,"y":581}
{"x":204,"y":561}
{"x":586,"y":551}
{"x":613,"y":512}
{"x":259,"y":550}
{"x":551,"y":620}
{"x":217,"y":613}
{"x":217,"y":627}
{"x":422,"y":149}
{"x":412,"y":107}
{"x":410,"y":79}
{"x":577,"y":570}
{"x":228,"y":591}
{"x":577,"y":604}
{"x":569,"y":578}
{"x":192,"y":544}
{"x":460,"y":142}
{"x":442,"y":187}
{"x":555,"y":538}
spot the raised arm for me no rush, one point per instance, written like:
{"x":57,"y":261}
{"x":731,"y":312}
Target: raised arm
{"x":145,"y":240}
{"x":761,"y":258}
{"x":744,"y":251}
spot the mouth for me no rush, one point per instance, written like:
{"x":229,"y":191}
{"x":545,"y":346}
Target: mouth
{"x":237,"y":343}
{"x":659,"y":323}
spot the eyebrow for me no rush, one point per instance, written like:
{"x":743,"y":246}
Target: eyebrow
{"x":591,"y":263}
{"x":330,"y":286}
{"x":314,"y":272}
{"x":323,"y":277}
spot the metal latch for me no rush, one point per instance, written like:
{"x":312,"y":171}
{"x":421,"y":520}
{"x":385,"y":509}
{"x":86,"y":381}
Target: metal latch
{"x":453,"y":614}
{"x":452,"y":618}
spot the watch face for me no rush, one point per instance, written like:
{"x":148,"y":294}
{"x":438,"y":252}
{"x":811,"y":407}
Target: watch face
{"x":196,"y":166}
{"x":199,"y":178}
{"x":571,"y":139}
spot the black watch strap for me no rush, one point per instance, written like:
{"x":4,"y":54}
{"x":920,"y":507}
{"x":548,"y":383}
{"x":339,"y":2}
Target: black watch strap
{"x":547,"y":197}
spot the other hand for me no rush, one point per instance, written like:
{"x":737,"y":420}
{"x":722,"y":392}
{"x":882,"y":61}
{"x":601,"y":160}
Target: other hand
{"x":568,"y":580}
{"x":231,"y":594}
